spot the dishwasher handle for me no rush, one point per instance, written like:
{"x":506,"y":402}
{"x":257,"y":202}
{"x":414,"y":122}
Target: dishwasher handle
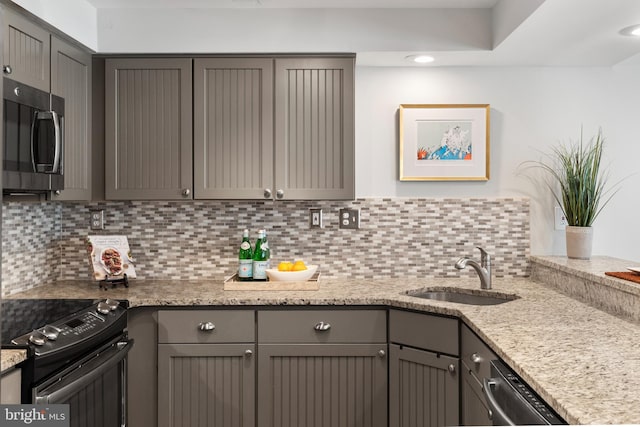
{"x":500,"y":418}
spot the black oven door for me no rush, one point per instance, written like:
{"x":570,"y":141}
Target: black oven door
{"x":95,"y":388}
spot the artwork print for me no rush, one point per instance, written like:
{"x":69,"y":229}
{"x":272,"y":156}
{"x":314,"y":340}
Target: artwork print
{"x":444,"y":140}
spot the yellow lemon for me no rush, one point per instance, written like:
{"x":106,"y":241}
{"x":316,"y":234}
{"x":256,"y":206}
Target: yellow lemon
{"x":285,"y":266}
{"x":299,"y":266}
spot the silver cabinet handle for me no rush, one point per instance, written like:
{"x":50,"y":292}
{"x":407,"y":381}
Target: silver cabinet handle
{"x":280,"y":194}
{"x":382,"y":353}
{"x":7,"y":69}
{"x":452,"y":368}
{"x":248,"y":353}
{"x":321,"y":326}
{"x":475,"y":358}
{"x":186,"y":192}
{"x":57,"y":192}
{"x":206,"y":326}
{"x":267,"y":193}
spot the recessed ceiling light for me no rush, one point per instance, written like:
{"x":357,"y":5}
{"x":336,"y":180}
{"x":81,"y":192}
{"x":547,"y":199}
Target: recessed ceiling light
{"x":633,"y":30}
{"x":420,"y":59}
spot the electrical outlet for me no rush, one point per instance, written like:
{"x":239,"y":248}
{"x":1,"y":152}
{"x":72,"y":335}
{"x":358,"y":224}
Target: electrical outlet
{"x":350,"y":218}
{"x":560,"y":220}
{"x":315,"y":218}
{"x":97,"y":220}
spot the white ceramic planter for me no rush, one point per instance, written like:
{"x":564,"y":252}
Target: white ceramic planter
{"x":579,"y":242}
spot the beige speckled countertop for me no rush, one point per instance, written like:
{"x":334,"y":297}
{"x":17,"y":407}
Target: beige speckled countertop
{"x":583,"y":361}
{"x":10,"y":358}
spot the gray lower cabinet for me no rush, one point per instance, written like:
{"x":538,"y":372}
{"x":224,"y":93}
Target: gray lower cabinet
{"x":423,"y":388}
{"x":71,"y":79}
{"x":476,"y":358}
{"x":10,"y":384}
{"x":206,"y":384}
{"x":423,"y":370}
{"x":148,"y":128}
{"x":322,"y":368}
{"x":206,"y":368}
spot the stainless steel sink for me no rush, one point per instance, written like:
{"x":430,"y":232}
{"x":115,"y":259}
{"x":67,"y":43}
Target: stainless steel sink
{"x":463,"y":296}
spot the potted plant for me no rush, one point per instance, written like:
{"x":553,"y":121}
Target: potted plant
{"x":578,"y":185}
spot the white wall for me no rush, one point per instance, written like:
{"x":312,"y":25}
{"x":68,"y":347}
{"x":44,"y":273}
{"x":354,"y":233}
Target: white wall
{"x":531,"y":109}
{"x":76,"y":18}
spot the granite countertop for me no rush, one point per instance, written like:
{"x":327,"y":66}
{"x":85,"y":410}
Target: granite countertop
{"x":583,"y":361}
{"x":10,"y":358}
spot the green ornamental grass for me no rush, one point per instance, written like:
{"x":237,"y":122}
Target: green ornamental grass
{"x":576,"y":168}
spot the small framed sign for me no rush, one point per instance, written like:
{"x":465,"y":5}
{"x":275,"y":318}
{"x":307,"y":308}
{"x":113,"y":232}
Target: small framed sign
{"x":440,"y":142}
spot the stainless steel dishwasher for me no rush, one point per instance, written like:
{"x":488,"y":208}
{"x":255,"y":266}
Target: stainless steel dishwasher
{"x":512,"y":402}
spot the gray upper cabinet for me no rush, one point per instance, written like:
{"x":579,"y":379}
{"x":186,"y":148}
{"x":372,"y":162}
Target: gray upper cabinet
{"x":26,"y":51}
{"x":263,"y":128}
{"x":314,"y":128}
{"x":71,"y":79}
{"x":233,"y":127}
{"x":241,"y":103}
{"x":148,"y":128}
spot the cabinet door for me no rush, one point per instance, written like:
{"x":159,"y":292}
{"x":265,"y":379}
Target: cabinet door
{"x":474,"y":410}
{"x":26,"y":51}
{"x":423,"y":388}
{"x":148,"y":129}
{"x":233,"y":128}
{"x":10,"y":383}
{"x":206,"y":385}
{"x":322,"y":385}
{"x":71,"y":80}
{"x":314,"y":128}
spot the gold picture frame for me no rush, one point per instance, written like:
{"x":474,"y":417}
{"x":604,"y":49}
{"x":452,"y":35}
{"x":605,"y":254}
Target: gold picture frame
{"x":444,"y":142}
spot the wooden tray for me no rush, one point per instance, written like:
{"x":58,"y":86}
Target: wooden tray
{"x":233,"y":284}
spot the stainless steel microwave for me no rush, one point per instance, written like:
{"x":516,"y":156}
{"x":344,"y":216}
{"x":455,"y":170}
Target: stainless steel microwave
{"x":33,"y":140}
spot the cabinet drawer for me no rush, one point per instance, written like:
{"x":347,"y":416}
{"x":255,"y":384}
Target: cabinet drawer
{"x":435,"y":333}
{"x":475,"y":354}
{"x":322,"y":326}
{"x":184,"y":326}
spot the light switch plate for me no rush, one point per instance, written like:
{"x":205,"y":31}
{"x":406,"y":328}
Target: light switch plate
{"x":349,"y":218}
{"x":315,"y":218}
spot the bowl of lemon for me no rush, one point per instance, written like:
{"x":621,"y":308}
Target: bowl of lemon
{"x":288,"y":271}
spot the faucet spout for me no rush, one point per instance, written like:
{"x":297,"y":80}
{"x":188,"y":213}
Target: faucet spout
{"x":483,"y":268}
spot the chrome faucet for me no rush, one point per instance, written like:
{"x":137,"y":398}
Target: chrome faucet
{"x":483,"y":269}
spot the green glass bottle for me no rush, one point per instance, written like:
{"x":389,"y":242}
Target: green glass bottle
{"x":245,"y":258}
{"x":260,"y":257}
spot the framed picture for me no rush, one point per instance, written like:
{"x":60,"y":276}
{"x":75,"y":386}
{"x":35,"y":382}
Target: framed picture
{"x":444,"y":142}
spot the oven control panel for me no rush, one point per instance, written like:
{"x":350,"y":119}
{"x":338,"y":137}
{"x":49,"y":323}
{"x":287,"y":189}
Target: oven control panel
{"x":74,"y":328}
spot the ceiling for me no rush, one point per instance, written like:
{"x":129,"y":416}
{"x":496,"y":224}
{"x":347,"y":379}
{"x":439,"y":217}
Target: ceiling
{"x":380,"y":32}
{"x":315,"y":4}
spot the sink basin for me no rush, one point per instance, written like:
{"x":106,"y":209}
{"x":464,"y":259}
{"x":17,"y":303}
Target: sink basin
{"x":463,"y":296}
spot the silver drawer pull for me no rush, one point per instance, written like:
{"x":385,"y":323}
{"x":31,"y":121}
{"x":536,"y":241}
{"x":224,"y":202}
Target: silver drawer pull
{"x":475,"y":358}
{"x":206,"y":326}
{"x":248,"y":353}
{"x":382,"y":353}
{"x":452,"y":368}
{"x":321,"y":326}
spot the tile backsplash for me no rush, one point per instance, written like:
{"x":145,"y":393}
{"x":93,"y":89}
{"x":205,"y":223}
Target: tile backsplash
{"x":44,"y":242}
